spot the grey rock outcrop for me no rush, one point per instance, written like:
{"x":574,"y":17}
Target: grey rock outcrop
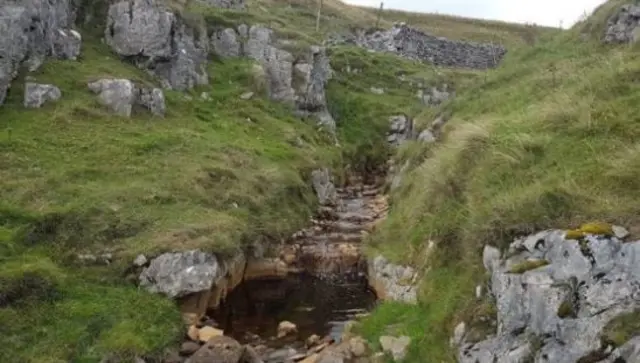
{"x":623,"y":26}
{"x":400,"y":129}
{"x":151,"y":99}
{"x":117,"y":94}
{"x":180,"y":274}
{"x":414,"y":44}
{"x":31,"y":31}
{"x":36,"y":95}
{"x":556,"y":313}
{"x":219,"y":349}
{"x":301,"y":83}
{"x":324,"y":187}
{"x":150,"y":35}
{"x":67,"y":44}
{"x":434,"y":96}
{"x":225,"y":4}
{"x":397,"y":282}
{"x":121,"y":95}
{"x":311,"y":79}
{"x":276,"y":63}
{"x":225,"y":43}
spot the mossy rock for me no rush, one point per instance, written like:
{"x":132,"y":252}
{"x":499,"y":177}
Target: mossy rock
{"x":594,"y":228}
{"x":525,"y":266}
{"x":566,"y":310}
{"x":621,"y":329}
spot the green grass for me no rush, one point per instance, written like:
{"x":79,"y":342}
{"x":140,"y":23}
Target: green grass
{"x":215,"y":174}
{"x":548,"y":140}
{"x":75,"y":179}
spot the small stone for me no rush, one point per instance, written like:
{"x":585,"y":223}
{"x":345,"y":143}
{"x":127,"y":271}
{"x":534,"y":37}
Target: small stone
{"x":377,"y":91}
{"x":140,"y":261}
{"x":377,"y":358}
{"x":396,"y":346}
{"x":250,"y":355}
{"x":479,"y":292}
{"x":313,"y":358}
{"x":358,"y":346}
{"x":208,"y":332}
{"x":313,"y":340}
{"x":458,"y":334}
{"x":188,"y":348}
{"x":285,"y":328}
{"x":490,"y":257}
{"x":246,"y":96}
{"x":193,"y":333}
{"x":36,"y":95}
{"x":620,"y":232}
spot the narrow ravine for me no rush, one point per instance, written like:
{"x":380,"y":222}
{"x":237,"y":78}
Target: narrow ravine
{"x":306,"y":307}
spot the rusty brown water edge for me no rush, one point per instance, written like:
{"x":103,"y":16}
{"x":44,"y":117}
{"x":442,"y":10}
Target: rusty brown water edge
{"x":328,"y":254}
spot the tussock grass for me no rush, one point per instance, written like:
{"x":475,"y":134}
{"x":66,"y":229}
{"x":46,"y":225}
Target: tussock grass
{"x":548,"y":140}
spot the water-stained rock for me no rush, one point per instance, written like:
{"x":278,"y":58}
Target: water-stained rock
{"x":181,"y":273}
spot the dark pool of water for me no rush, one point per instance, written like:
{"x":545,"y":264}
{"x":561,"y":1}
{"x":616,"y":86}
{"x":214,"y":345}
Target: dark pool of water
{"x":317,"y":306}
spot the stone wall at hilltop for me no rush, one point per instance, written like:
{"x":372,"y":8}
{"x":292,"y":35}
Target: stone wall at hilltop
{"x":415,"y":44}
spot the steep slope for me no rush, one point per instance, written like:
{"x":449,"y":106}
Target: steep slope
{"x":547,"y":140}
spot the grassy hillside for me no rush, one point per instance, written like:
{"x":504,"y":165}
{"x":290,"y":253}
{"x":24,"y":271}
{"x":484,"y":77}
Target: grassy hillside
{"x":217,"y":173}
{"x":548,"y":140}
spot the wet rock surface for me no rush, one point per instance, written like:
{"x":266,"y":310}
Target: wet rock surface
{"x":556,"y":311}
{"x":333,"y":244}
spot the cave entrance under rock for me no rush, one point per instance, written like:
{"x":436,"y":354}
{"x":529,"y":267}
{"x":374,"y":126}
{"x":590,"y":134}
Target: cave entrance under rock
{"x":321,"y":306}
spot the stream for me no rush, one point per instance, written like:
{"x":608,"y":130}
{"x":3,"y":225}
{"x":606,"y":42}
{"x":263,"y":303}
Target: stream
{"x":329,"y":289}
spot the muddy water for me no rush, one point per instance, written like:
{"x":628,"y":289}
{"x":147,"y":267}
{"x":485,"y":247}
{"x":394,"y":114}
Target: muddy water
{"x":253,"y":310}
{"x":332,"y":288}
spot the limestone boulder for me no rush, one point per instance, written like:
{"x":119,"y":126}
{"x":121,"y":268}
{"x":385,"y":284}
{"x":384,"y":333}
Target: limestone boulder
{"x":36,"y":95}
{"x":181,"y":273}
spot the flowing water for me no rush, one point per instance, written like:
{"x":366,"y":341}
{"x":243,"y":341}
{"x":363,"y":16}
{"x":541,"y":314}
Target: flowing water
{"x":331,"y":290}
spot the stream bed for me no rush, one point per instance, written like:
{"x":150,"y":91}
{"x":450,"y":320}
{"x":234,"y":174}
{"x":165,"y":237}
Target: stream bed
{"x":252,"y":311}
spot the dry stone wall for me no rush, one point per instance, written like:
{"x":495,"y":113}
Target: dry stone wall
{"x":415,"y":44}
